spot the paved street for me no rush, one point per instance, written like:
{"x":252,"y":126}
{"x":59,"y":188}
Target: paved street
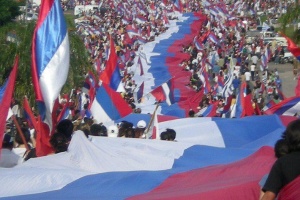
{"x":286,"y":74}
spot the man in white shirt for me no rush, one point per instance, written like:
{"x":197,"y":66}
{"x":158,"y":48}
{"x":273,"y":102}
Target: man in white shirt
{"x":252,"y":70}
{"x":254,"y":59}
{"x":247,"y":75}
{"x":8,"y":158}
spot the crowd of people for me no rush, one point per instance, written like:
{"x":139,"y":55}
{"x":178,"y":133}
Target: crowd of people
{"x":132,"y":23}
{"x":227,"y":60}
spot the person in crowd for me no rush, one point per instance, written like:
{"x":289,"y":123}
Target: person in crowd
{"x":247,"y":76}
{"x":98,"y":130}
{"x":139,"y":131}
{"x":65,"y":127}
{"x":59,"y":142}
{"x":7,"y":157}
{"x":236,"y":84}
{"x":287,"y":167}
{"x":20,"y":147}
{"x":169,"y":135}
{"x":126,"y":129}
{"x":252,"y":71}
{"x":280,"y":149}
{"x":191,"y":113}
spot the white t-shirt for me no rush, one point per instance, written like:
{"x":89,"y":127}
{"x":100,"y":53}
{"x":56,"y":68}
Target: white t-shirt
{"x":247,"y":76}
{"x":254,"y":59}
{"x":252,"y":68}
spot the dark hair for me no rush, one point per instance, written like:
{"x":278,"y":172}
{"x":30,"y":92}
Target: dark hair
{"x":191,"y":113}
{"x":126,"y":129}
{"x":169,"y":134}
{"x":172,"y":134}
{"x":95,"y":129}
{"x":98,"y":130}
{"x":292,"y":135}
{"x":7,"y":143}
{"x":65,"y":127}
{"x":281,"y":148}
{"x":164,"y":136}
{"x":26,"y":134}
{"x":103,"y":131}
{"x":59,"y":142}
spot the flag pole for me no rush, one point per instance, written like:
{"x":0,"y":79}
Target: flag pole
{"x":152,"y":118}
{"x":20,"y":132}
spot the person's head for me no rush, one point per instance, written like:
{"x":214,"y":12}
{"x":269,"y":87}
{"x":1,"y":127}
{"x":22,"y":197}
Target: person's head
{"x":164,"y":135}
{"x":292,"y":135}
{"x":281,"y":148}
{"x":7,"y":142}
{"x":26,"y":133}
{"x":65,"y":127}
{"x":126,"y":129}
{"x":138,"y":110}
{"x":172,"y":134}
{"x":191,"y":113}
{"x":103,"y":131}
{"x":59,"y":142}
{"x":140,"y":129}
{"x":141,"y":124}
{"x":96,"y":130}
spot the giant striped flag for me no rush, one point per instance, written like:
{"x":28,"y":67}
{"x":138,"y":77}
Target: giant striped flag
{"x":210,"y":160}
{"x":50,"y":57}
{"x":6,"y":93}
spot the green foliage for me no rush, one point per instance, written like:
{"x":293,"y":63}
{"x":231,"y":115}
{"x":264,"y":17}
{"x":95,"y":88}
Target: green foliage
{"x":9,"y":10}
{"x":288,"y":20}
{"x":23,"y":33}
{"x":79,"y":64}
{"x":22,"y":47}
{"x":263,"y":18}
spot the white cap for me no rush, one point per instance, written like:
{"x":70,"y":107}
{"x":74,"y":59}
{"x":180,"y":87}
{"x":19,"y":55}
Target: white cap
{"x":112,"y":131}
{"x":141,"y":124}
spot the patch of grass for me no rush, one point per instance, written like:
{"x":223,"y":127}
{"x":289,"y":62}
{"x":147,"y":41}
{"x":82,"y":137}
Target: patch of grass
{"x":263,"y":18}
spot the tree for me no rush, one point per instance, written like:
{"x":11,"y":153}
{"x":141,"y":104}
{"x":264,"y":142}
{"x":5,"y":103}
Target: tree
{"x":9,"y":10}
{"x":290,"y":17}
{"x":21,"y":45}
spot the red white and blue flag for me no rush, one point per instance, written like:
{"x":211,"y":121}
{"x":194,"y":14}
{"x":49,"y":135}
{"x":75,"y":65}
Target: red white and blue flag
{"x":164,"y":92}
{"x":50,"y":57}
{"x":289,"y":106}
{"x":178,"y":5}
{"x":28,"y":114}
{"x":244,"y":102}
{"x":210,"y":159}
{"x":213,"y":38}
{"x":111,"y":74}
{"x":139,"y":93}
{"x":109,"y":105}
{"x":6,"y":93}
